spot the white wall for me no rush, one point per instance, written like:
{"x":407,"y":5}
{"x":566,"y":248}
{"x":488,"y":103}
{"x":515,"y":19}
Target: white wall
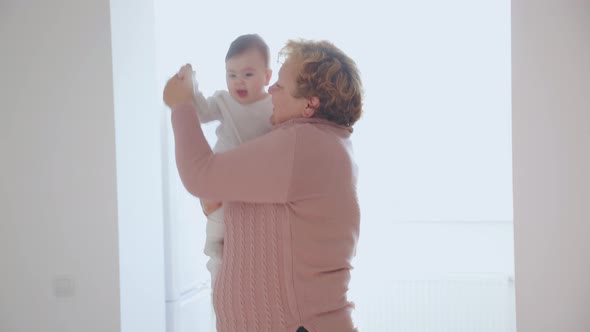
{"x":79,"y":197}
{"x":551,"y":140}
{"x":58,"y":193}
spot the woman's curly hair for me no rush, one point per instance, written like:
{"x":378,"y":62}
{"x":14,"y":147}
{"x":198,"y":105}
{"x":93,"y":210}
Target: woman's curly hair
{"x":325,"y":72}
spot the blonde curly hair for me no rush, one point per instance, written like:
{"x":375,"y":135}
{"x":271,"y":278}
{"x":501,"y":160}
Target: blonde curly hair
{"x":325,"y":72}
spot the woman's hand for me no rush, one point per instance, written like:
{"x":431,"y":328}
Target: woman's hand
{"x":179,"y":88}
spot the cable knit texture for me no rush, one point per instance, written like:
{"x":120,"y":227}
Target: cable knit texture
{"x":292,"y":223}
{"x":250,"y":284}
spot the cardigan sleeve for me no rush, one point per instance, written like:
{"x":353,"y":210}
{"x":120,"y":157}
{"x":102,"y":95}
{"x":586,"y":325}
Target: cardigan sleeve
{"x":258,"y":171}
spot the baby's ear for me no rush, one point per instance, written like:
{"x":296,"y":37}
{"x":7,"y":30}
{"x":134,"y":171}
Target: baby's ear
{"x":268,"y":75}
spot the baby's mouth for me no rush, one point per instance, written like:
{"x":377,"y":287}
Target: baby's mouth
{"x":242,"y":93}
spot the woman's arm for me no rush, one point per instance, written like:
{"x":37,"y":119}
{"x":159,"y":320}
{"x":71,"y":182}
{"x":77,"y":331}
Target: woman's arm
{"x":258,"y":171}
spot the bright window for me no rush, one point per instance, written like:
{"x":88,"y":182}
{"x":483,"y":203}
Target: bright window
{"x":433,"y":147}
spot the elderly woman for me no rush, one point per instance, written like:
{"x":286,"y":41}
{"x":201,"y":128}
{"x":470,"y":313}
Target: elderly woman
{"x":292,"y":215}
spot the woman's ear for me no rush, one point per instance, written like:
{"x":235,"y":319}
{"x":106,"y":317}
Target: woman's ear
{"x":313,"y":104}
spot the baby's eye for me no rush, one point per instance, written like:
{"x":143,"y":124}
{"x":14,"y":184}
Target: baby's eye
{"x":249,"y":74}
{"x":231,"y":75}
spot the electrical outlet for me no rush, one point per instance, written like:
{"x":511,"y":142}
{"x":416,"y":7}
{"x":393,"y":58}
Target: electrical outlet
{"x":64,"y":286}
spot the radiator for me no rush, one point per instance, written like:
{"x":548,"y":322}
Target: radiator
{"x":473,"y":304}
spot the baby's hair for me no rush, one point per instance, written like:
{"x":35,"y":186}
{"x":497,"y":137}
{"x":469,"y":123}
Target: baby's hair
{"x":246,"y":42}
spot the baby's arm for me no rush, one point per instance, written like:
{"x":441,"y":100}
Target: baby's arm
{"x":206,"y":109}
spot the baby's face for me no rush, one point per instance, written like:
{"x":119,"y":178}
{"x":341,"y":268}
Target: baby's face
{"x":246,"y":76}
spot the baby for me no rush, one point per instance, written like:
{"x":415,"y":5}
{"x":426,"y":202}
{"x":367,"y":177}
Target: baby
{"x":244,"y":111}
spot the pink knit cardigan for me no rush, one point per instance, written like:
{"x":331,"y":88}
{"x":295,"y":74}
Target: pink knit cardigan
{"x":292,"y":222}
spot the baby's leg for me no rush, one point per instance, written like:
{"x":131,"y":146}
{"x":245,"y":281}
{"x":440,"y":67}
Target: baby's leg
{"x":214,"y":243}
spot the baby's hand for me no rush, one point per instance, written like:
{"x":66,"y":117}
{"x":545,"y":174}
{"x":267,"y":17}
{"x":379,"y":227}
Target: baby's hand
{"x":210,"y":207}
{"x":185,"y":71}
